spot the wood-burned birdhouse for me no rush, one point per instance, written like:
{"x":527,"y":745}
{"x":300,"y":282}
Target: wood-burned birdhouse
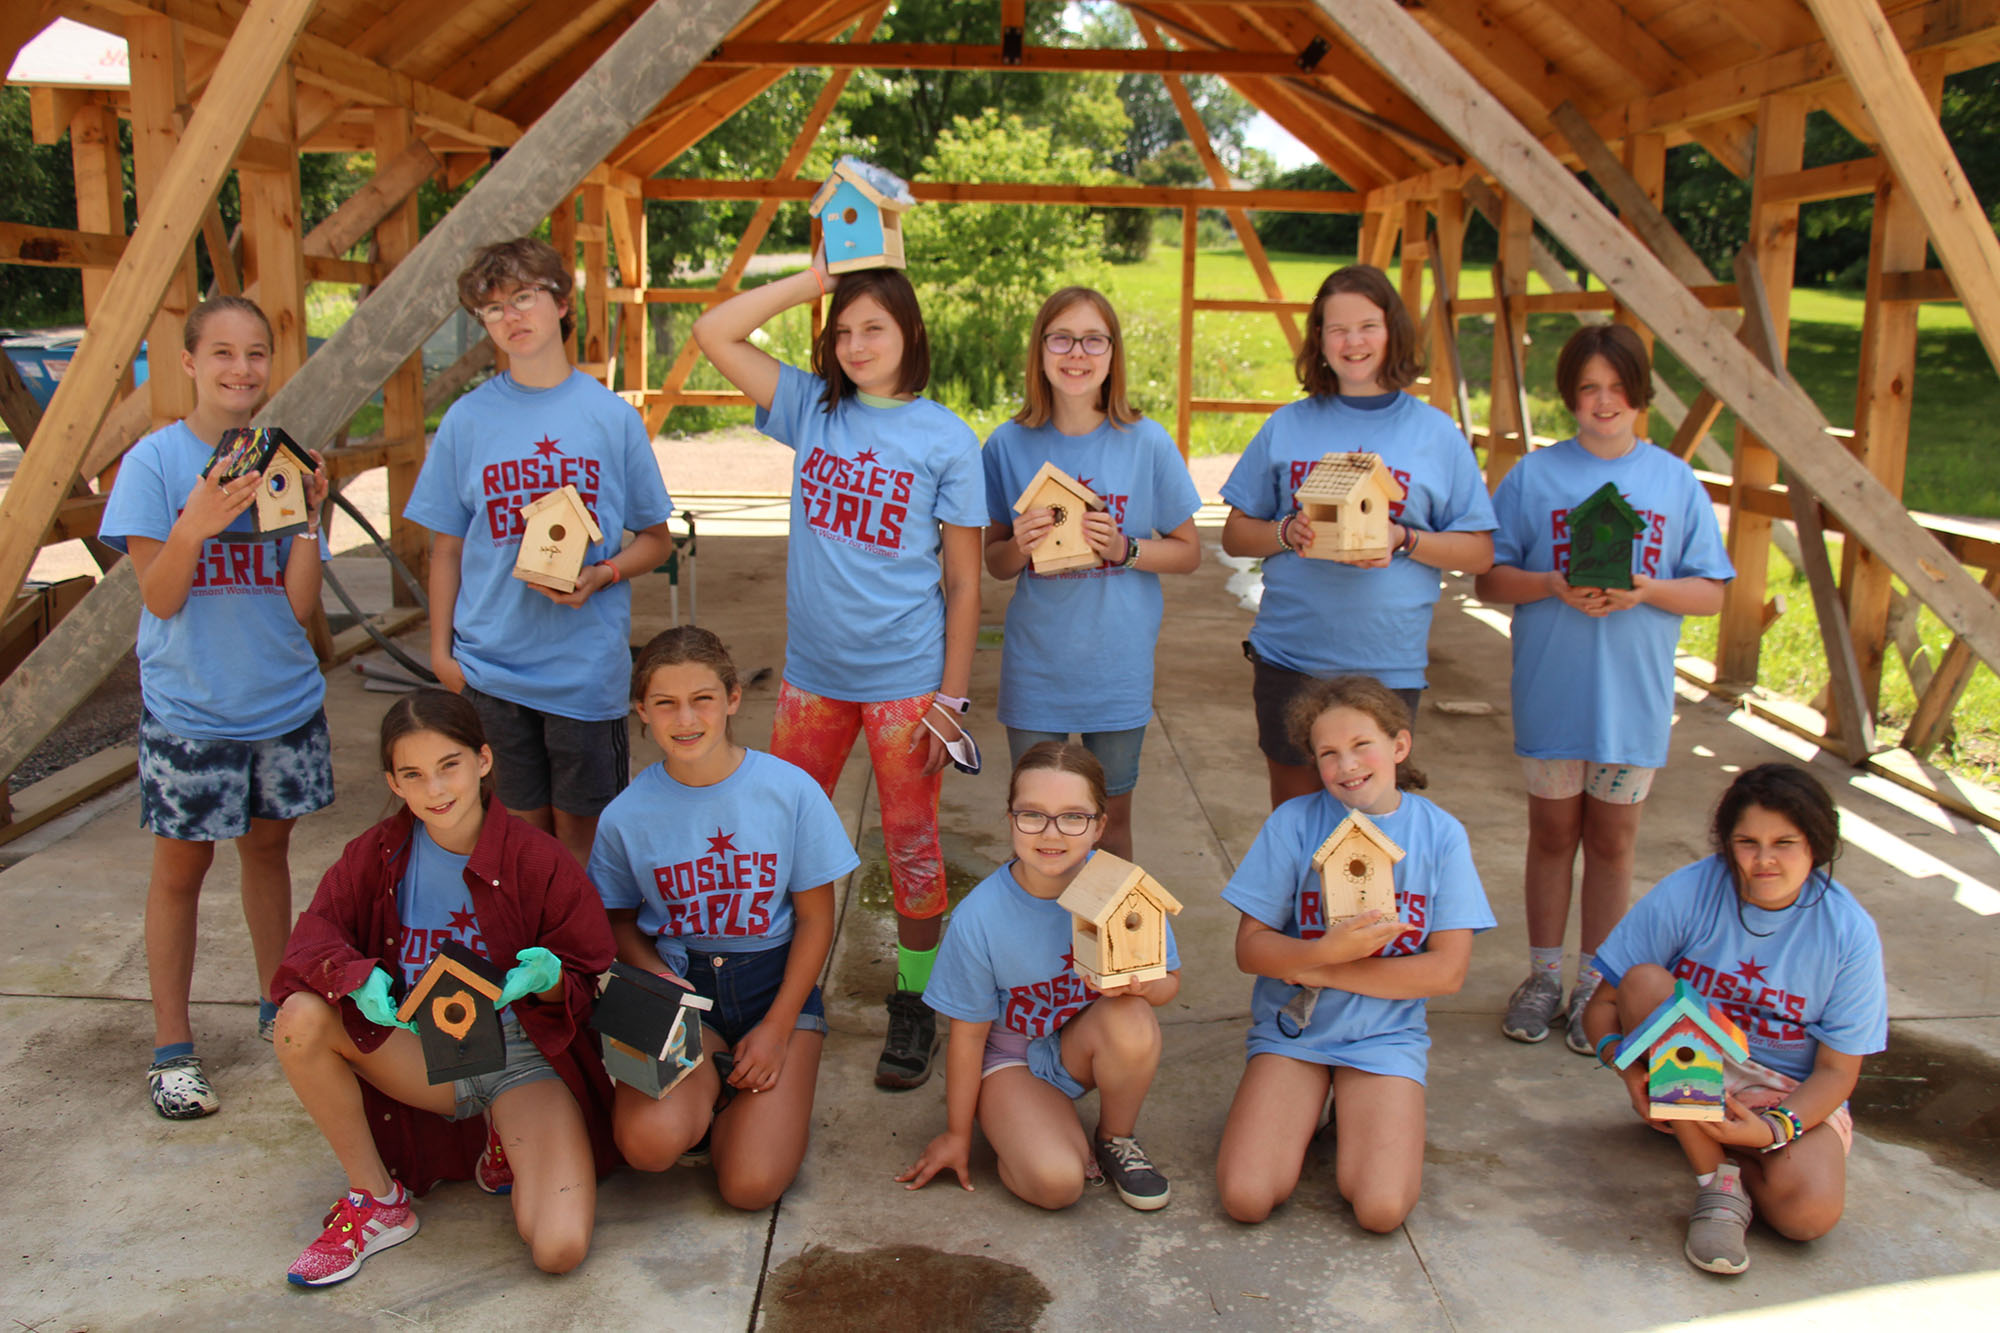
{"x":1347,"y":498}
{"x":282,"y":508}
{"x":1601,"y":532}
{"x":1685,"y":1042}
{"x":556,"y":532}
{"x":859,"y":210}
{"x":1067,"y":498}
{"x":455,"y":1005}
{"x":650,"y":1029}
{"x":1118,"y":917}
{"x":1357,"y":869}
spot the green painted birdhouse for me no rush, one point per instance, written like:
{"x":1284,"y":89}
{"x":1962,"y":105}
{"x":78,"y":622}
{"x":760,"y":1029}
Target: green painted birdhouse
{"x":1601,"y":532}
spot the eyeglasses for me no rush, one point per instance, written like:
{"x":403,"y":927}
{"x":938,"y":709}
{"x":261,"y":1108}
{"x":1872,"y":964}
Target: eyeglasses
{"x":1093,"y":344}
{"x":1069,"y":822}
{"x":522,"y":301}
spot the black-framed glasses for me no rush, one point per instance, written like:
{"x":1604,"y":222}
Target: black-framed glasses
{"x":522,"y":301}
{"x":1070,"y":823}
{"x":1093,"y":344}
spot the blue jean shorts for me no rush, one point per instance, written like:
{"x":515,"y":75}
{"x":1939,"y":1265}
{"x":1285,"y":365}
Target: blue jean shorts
{"x":197,"y":789}
{"x":1041,"y":1056}
{"x":525,"y":1064}
{"x":742,"y":985}
{"x":1118,"y":751}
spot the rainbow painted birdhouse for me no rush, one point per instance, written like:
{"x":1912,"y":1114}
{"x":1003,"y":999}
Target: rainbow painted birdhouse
{"x":650,"y":1029}
{"x":1601,"y":532}
{"x":455,"y":1005}
{"x":859,"y":210}
{"x":556,"y":532}
{"x":282,"y":509}
{"x":1685,"y":1041}
{"x":1357,"y":869}
{"x":1347,"y":497}
{"x":1067,"y":499}
{"x":1118,"y":918}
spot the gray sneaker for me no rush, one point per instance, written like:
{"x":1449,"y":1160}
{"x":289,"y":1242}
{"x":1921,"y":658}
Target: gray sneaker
{"x":1574,"y":1036}
{"x":1127,"y":1168}
{"x":1715,"y":1228}
{"x":1533,"y":1003}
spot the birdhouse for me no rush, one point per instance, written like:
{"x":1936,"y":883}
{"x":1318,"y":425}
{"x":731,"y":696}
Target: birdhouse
{"x":282,"y":508}
{"x":455,"y":1005}
{"x":1601,"y":532}
{"x":1346,"y":497}
{"x":859,"y":211}
{"x":1685,"y":1042}
{"x":556,"y":532}
{"x":1357,"y":869}
{"x":1118,"y":914}
{"x":1064,"y":547}
{"x":650,"y":1029}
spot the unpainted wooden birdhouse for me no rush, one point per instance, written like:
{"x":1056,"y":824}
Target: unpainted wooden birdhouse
{"x":650,"y":1029}
{"x":1357,"y":869}
{"x":1118,"y":916}
{"x":1685,"y":1042}
{"x":556,"y":532}
{"x":859,"y":210}
{"x":455,"y":1005}
{"x":1064,"y":547}
{"x":282,"y":509}
{"x":1347,"y":497}
{"x":1601,"y":532}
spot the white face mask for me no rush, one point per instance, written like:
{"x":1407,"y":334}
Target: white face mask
{"x":964,"y":750}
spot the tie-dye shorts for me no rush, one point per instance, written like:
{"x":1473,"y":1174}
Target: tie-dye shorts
{"x":200,"y":790}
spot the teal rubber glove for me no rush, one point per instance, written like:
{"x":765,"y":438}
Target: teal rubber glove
{"x":538,"y":970}
{"x":371,"y":997}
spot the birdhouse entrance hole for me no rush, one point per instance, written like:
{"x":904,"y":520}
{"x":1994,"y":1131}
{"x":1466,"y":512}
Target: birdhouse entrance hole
{"x":1133,"y":921}
{"x":1357,"y":868}
{"x":557,"y":532}
{"x":1684,"y":1055}
{"x":848,"y":215}
{"x":1365,"y":507}
{"x":1058,"y":514}
{"x":277,"y":483}
{"x":453,"y":1014}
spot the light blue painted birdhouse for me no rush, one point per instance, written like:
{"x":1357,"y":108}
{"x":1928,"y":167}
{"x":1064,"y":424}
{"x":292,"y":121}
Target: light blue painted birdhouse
{"x":859,"y":211}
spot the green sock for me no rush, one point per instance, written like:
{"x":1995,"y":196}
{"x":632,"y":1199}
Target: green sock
{"x":913,"y":967}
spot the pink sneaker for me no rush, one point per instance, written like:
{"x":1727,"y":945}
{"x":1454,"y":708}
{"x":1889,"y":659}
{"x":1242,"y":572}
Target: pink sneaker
{"x":358,"y":1225}
{"x":494,"y":1173}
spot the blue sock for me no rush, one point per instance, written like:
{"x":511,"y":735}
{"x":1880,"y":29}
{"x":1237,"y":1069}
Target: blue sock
{"x":266,"y":1010}
{"x":162,"y":1054}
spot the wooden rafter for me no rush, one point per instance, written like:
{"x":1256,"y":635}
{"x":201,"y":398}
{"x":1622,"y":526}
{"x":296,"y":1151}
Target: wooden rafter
{"x":1003,"y":192}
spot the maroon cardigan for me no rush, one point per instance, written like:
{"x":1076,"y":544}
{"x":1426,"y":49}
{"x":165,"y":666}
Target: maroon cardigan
{"x":526,"y":890}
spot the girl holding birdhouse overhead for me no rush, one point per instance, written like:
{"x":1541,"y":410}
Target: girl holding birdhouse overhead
{"x":1029,"y":1035}
{"x":451,"y":868}
{"x":1325,"y":613}
{"x":1593,"y":683}
{"x":881,"y":580}
{"x":233,"y":742}
{"x":1763,"y":932}
{"x":717,"y":866}
{"x":1364,"y":1035}
{"x":1138,"y":523}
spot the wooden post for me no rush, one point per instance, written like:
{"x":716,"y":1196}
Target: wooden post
{"x":1934,"y":707}
{"x":1646,"y":159}
{"x":159,"y":91}
{"x":594,"y":320}
{"x":632,"y":274}
{"x":1415,"y":248}
{"x":273,"y":254}
{"x":1781,"y":128}
{"x":403,"y":409}
{"x":100,"y":187}
{"x":1446,"y":244}
{"x":1506,"y":423}
{"x":1184,"y":408}
{"x":562,"y":236}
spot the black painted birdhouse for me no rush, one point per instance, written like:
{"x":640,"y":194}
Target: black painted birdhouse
{"x":281,"y":509}
{"x":650,"y":1029}
{"x":455,"y":1005}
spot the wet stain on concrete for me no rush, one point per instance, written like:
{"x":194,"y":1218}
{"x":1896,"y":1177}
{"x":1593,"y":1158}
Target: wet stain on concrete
{"x":905,"y":1287}
{"x":1944,"y":1100}
{"x":1483,"y":1161}
{"x":872,"y":880}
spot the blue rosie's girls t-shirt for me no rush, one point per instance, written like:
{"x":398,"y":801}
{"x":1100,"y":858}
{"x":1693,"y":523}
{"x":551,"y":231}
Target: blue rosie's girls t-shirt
{"x":1437,"y":888}
{"x":864,"y":612}
{"x":713,"y":868}
{"x":1104,"y":616}
{"x":1600,"y":687}
{"x":501,"y":447}
{"x":233,"y":663}
{"x":1321,"y":617}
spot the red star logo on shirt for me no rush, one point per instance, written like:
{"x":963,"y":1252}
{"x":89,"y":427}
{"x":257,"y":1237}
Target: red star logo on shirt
{"x":464,"y":920}
{"x":866,"y":456}
{"x":546,"y":446}
{"x":1750,"y":970}
{"x":721,"y":843}
{"x":1069,"y":960}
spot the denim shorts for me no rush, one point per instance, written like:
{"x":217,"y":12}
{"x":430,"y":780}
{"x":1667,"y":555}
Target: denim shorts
{"x":198,"y":789}
{"x":525,"y":1064}
{"x":1041,"y":1056}
{"x":543,"y":760}
{"x":1272,"y":690}
{"x":1118,"y":751}
{"x":743,"y":986}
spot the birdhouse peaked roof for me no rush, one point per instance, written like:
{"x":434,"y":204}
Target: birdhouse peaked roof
{"x":639,"y":1008}
{"x":1049,"y":472}
{"x":1103,"y":883}
{"x":1356,"y":823}
{"x":883,"y":188}
{"x":1606,"y":497}
{"x":1689,"y":1004}
{"x":1336,"y":478}
{"x":254,"y":447}
{"x":563,"y":495}
{"x":455,"y":961}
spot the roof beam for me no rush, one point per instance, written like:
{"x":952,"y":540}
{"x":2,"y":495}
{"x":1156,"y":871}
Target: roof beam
{"x":1034,"y":59}
{"x":1007,"y":192}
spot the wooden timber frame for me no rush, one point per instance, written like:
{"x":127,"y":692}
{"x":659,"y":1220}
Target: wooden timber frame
{"x":1427,"y":114}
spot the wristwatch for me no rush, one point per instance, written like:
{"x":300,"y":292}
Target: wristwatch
{"x":960,"y":706}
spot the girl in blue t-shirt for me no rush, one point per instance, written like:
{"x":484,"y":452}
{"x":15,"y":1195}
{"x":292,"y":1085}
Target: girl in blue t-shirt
{"x":233,"y":742}
{"x":1028,"y":1035}
{"x":1341,"y":1004}
{"x":1762,"y":931}
{"x":881,"y":580}
{"x":1321,"y":618}
{"x":1077,"y":417}
{"x":1593,"y":679}
{"x":717,"y":866}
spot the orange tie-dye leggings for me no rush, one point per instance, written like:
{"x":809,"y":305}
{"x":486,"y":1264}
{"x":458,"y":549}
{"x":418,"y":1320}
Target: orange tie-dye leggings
{"x":818,"y":733}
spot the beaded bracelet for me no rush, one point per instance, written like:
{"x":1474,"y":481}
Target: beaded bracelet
{"x":1785,"y":1126}
{"x":1284,"y":542}
{"x":1604,"y":1041}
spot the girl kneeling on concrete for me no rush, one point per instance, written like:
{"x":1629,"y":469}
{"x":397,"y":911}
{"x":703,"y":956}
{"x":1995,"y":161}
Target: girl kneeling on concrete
{"x":451,"y":867}
{"x":1029,"y":1036}
{"x":717,"y":865}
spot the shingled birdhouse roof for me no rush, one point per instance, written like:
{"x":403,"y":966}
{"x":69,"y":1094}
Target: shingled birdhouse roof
{"x":1606,"y":505}
{"x":1336,"y":479}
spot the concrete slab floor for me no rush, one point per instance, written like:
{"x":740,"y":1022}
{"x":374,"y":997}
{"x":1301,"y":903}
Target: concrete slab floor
{"x":1544,"y":1204}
